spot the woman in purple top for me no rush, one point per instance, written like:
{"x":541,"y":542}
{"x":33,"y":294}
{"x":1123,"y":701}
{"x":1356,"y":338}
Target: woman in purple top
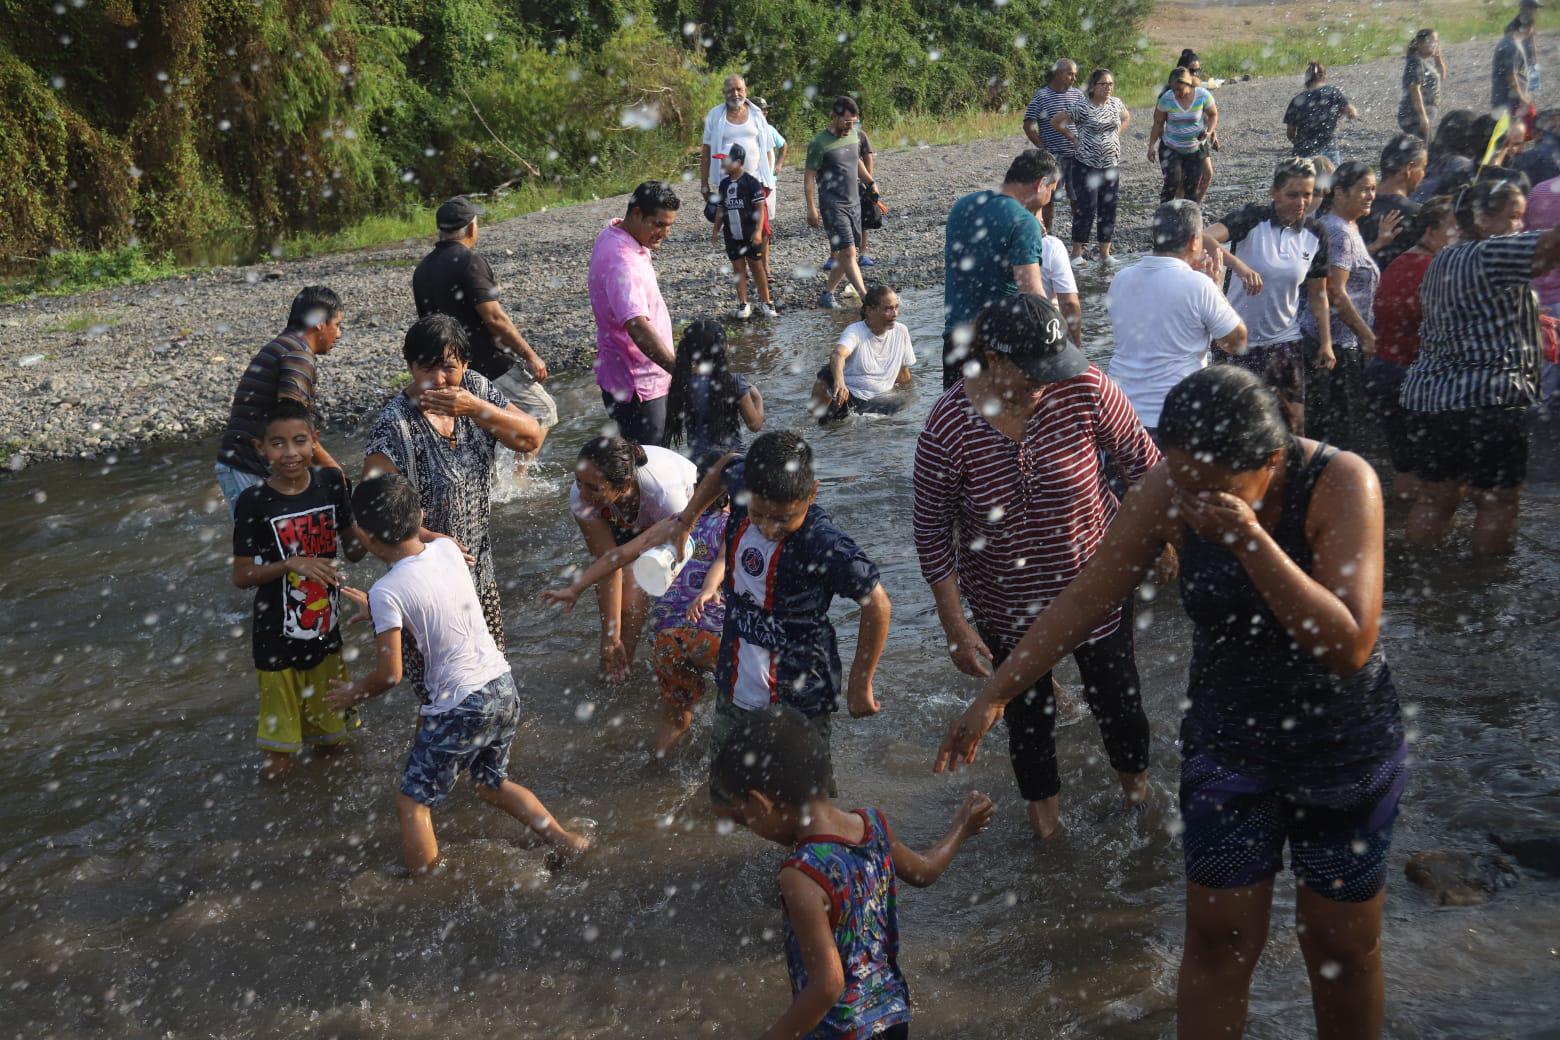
{"x":1337,"y":402}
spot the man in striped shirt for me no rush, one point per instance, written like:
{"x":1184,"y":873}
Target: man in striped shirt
{"x":1058,"y":95}
{"x":284,"y":367}
{"x":1010,"y":502}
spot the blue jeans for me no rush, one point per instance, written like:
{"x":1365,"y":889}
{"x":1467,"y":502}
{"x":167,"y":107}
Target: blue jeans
{"x":475,"y":735}
{"x":233,"y":482}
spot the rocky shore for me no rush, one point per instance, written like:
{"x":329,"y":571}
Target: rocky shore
{"x":99,"y":371}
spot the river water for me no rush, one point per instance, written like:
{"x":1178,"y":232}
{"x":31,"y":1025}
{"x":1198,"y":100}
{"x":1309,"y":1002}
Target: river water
{"x":152,"y":886}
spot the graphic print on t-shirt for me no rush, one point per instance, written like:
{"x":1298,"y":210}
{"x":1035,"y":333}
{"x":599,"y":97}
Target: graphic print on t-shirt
{"x":309,"y":607}
{"x":753,"y":585}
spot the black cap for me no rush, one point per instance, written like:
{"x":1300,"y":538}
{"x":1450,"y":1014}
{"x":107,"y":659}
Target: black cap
{"x":1530,"y":3}
{"x":736,"y":153}
{"x":1031,"y":332}
{"x":454,"y":214}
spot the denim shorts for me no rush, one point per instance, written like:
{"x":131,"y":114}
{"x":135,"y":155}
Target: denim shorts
{"x":1338,"y":837}
{"x":234,"y":482}
{"x":475,"y":735}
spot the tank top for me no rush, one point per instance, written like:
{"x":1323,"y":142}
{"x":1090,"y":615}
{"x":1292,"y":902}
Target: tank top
{"x":1261,"y":704}
{"x":859,"y":878}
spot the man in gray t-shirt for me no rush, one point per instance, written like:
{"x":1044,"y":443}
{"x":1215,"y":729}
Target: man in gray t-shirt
{"x":833,"y":182}
{"x":1509,"y":70}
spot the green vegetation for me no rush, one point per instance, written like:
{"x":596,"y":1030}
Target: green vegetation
{"x":81,"y":321}
{"x":325,"y":125}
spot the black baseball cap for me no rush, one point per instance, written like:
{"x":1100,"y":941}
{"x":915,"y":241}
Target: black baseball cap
{"x":454,"y":214}
{"x":736,"y":153}
{"x":1530,"y":3}
{"x":1031,"y":332}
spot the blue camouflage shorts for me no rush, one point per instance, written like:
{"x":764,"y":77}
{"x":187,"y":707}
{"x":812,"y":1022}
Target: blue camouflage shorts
{"x":475,"y":735}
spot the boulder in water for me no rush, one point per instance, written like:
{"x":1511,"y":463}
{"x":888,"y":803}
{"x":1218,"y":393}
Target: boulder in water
{"x":1540,"y":852}
{"x":1459,"y":878}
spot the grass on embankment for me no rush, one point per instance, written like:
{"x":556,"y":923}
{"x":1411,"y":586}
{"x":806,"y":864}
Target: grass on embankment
{"x":1258,"y":40}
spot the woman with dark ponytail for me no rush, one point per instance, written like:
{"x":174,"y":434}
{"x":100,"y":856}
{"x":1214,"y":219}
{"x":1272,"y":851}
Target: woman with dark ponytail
{"x":620,"y":490}
{"x":1337,"y":405}
{"x":1312,"y":116}
{"x":1293,"y":734}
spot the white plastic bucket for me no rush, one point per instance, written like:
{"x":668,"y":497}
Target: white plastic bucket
{"x":657,"y":568}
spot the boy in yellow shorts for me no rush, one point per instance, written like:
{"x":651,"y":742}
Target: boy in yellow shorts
{"x":287,"y":533}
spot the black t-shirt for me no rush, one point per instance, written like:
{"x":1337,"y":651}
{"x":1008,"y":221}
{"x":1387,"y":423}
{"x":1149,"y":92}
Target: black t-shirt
{"x":453,"y":280}
{"x":1314,"y":114}
{"x":1370,"y":226}
{"x":743,"y":201}
{"x":296,"y":620}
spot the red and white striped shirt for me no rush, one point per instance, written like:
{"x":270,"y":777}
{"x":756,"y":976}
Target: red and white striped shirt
{"x":1018,"y":521}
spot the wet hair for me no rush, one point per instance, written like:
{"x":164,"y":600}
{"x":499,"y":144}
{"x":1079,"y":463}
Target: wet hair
{"x":618,"y":458}
{"x":1291,"y":169}
{"x":388,"y":508}
{"x":1454,"y":135}
{"x":1175,"y":226}
{"x":774,"y":752}
{"x":1345,"y":177}
{"x":1095,"y":77}
{"x":702,"y":352}
{"x":1030,"y":165}
{"x":1401,"y":152}
{"x":876,"y":294}
{"x":1421,"y":38}
{"x":779,"y":467}
{"x":1430,"y":215}
{"x":1482,"y":199}
{"x":1224,"y":415}
{"x":652,"y":197}
{"x":844,"y":105}
{"x":314,"y":306}
{"x":1315,"y":73}
{"x":286,"y":409}
{"x":434,"y":337}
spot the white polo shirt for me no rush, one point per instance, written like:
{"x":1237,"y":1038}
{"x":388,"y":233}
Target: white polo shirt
{"x":1163,"y":316}
{"x":1286,"y":258}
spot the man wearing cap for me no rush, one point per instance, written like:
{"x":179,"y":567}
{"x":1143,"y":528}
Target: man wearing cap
{"x":454,"y":279}
{"x":1010,"y":502}
{"x":1164,"y":315}
{"x":1510,"y":71}
{"x":634,"y":352}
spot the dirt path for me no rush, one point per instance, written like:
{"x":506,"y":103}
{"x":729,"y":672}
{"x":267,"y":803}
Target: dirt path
{"x":103,"y":370}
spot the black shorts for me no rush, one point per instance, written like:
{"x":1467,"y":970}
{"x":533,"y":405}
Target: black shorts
{"x":1485,"y":448}
{"x":883,"y":404}
{"x":1383,"y":381}
{"x":742,"y":250}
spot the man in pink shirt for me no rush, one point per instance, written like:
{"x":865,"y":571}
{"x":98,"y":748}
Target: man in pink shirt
{"x":634,"y":353}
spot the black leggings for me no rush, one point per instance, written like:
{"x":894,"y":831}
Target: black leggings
{"x":1111,"y":688}
{"x":1182,"y":172}
{"x":1094,"y":197}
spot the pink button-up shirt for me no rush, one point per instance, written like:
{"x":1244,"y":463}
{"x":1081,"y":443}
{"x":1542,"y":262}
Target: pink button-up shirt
{"x":623,"y":287}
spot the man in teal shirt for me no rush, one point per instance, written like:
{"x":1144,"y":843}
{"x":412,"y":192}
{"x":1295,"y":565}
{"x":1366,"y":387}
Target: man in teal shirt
{"x":993,"y":248}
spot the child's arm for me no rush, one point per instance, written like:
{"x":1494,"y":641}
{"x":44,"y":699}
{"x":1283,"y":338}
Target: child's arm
{"x":752,"y":408}
{"x":613,"y":560}
{"x":807,"y":905}
{"x":870,"y":640}
{"x":922,"y":868}
{"x":720,"y":222}
{"x":710,"y":591}
{"x":704,"y":496}
{"x":352,"y":545}
{"x":247,"y":574}
{"x":383,"y":679}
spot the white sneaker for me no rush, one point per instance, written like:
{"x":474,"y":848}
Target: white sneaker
{"x":1080,"y":260}
{"x":744,"y":312}
{"x":768,"y":311}
{"x":848,"y":290}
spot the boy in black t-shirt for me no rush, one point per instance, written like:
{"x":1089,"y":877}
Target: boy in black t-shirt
{"x":740,"y":218}
{"x":286,"y":534}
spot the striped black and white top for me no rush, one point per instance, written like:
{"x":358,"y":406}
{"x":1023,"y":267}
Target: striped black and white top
{"x":1480,"y":328}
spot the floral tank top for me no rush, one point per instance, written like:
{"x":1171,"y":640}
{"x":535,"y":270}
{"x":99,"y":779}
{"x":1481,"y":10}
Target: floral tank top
{"x":859,"y":879}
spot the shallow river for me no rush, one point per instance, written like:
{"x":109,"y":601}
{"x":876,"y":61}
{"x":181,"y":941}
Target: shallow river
{"x":152,"y":886}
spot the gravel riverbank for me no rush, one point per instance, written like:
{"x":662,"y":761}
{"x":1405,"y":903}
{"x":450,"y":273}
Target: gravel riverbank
{"x":99,"y":371}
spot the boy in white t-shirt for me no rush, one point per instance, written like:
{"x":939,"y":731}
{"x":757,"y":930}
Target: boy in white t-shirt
{"x":869,"y":370}
{"x":472,"y":712}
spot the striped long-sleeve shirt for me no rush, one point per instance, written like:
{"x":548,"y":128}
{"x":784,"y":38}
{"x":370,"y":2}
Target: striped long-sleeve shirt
{"x":1017,"y":521}
{"x":284,"y":367}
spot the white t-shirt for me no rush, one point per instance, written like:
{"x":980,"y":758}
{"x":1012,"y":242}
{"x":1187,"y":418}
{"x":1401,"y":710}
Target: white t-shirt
{"x":666,"y":483}
{"x":1286,"y":258}
{"x":752,"y":134}
{"x":1056,"y":270}
{"x":873,"y":364}
{"x":1163,"y":316}
{"x":753,"y":686}
{"x":432,"y":597}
